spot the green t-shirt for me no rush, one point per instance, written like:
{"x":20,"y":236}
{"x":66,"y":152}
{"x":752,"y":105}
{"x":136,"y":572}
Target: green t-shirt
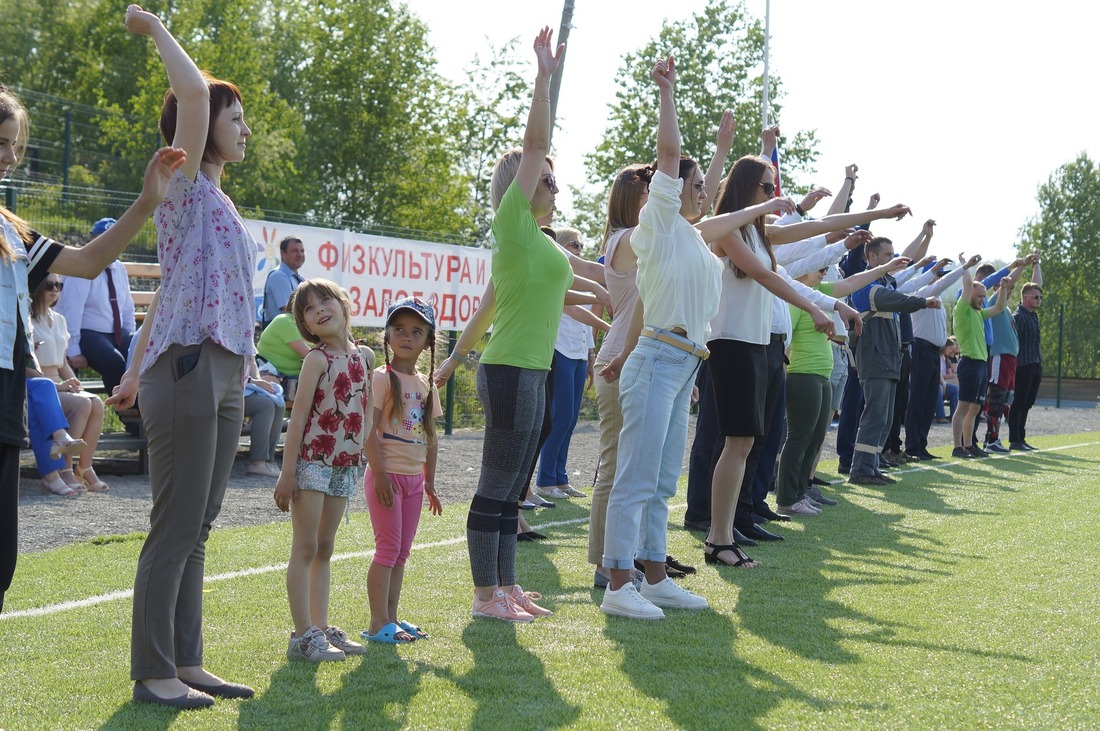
{"x":274,"y":345}
{"x":531,"y":275}
{"x":969,"y":325}
{"x":810,"y":350}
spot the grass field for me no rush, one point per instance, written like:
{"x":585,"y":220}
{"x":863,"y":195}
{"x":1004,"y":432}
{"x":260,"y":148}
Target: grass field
{"x":966,"y":596}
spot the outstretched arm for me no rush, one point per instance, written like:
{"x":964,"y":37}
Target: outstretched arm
{"x":715,"y":227}
{"x":786,"y":234}
{"x":840,"y":203}
{"x":968,"y":278}
{"x":668,"y":127}
{"x":918,"y":248}
{"x":536,"y":136}
{"x":857,"y":282}
{"x":722,"y":144}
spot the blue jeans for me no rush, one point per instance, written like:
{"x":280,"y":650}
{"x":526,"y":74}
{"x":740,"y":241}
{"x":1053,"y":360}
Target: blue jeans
{"x":44,"y":417}
{"x":952,"y":396}
{"x":655,"y":392}
{"x":569,"y":375}
{"x":104,"y":357}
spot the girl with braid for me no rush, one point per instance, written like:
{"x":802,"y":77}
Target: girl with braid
{"x":402,"y":452}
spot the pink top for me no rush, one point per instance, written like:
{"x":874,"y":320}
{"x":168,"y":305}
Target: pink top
{"x":206,"y":259}
{"x":623,"y":288}
{"x":334,"y":428}
{"x":404,"y":437}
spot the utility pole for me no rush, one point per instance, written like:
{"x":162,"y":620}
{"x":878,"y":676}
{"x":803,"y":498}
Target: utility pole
{"x":767,"y":41}
{"x":555,"y":80}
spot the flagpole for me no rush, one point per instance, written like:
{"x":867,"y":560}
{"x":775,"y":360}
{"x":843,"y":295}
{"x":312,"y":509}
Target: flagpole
{"x":767,"y":40}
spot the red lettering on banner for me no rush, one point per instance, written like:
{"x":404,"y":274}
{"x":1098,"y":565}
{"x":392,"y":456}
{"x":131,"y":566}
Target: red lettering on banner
{"x":370,"y":307}
{"x":375,"y":252}
{"x":328,"y":255}
{"x":447,"y":310}
{"x":480,"y":271}
{"x":416,"y":269}
{"x":464,"y":276}
{"x":356,"y":295}
{"x":360,"y":264}
{"x":477,"y":303}
{"x":464,"y":308}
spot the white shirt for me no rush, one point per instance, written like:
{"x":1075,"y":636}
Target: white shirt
{"x":86,"y":304}
{"x":574,"y":338}
{"x":931,"y":324}
{"x":679,"y":279}
{"x":781,"y":313}
{"x":745,"y":309}
{"x":50,"y":339}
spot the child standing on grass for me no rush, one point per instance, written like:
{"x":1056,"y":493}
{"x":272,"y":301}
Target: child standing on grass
{"x":328,"y":423}
{"x":402,"y":450}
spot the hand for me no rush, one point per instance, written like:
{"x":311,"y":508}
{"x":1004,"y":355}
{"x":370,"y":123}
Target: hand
{"x":1007,"y":284}
{"x":444,"y":371}
{"x":897,"y":264}
{"x":834,"y":236}
{"x":927,"y":228}
{"x":872,"y":204}
{"x":664,"y":74}
{"x":611,"y":371}
{"x":849,"y":315}
{"x":591,"y":371}
{"x":605,"y":299}
{"x":1016,"y":263}
{"x":261,"y":383}
{"x":932,"y":303}
{"x":694,"y":395}
{"x":548,"y":59}
{"x":822,"y":322}
{"x":850,"y":172}
{"x":972,"y":261}
{"x":383,"y":489}
{"x":897,"y":212}
{"x":286,"y":491}
{"x":770,"y":137}
{"x":939,"y":265}
{"x":813,"y":197}
{"x":159,"y":173}
{"x":434,"y":505}
{"x":77,"y":362}
{"x":140,"y":21}
{"x":925,"y":261}
{"x":73,"y":384}
{"x":862,"y":236}
{"x":1031,"y":258}
{"x":781,"y":206}
{"x":125,"y":393}
{"x":726,"y":127}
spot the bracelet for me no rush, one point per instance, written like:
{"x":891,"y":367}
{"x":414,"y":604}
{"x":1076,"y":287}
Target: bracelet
{"x":798,"y":207}
{"x":848,"y":177}
{"x":542,"y":99}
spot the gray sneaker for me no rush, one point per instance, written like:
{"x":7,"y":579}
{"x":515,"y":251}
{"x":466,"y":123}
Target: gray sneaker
{"x":312,"y":646}
{"x":815,"y":494}
{"x":339,"y":639}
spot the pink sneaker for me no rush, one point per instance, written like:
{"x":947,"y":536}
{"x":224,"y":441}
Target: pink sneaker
{"x":525,"y":601}
{"x":500,"y":606}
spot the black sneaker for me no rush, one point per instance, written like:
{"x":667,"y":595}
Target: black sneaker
{"x":924,"y":454}
{"x":1018,"y":447}
{"x":996,"y":447}
{"x":818,"y":481}
{"x":814,"y":494}
{"x":961,"y":453}
{"x":978,"y":452}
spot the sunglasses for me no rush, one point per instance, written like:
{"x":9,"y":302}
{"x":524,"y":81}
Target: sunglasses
{"x":574,"y":244}
{"x":823,"y":271}
{"x":54,"y":286}
{"x":769,"y":188}
{"x":551,"y":181}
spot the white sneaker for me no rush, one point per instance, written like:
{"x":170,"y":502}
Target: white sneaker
{"x":339,"y":639}
{"x":553,"y":492}
{"x":799,"y":508}
{"x":627,"y":602}
{"x":312,"y":646}
{"x":671,"y":595}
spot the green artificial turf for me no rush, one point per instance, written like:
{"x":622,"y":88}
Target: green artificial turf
{"x":963,"y":597}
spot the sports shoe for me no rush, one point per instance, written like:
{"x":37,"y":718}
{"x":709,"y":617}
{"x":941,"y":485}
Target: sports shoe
{"x":573,"y":492}
{"x":313,"y":646}
{"x":961,"y":453}
{"x":627,"y":602}
{"x":339,"y":639}
{"x":1017,"y":447}
{"x":500,"y":606}
{"x":814,"y":494}
{"x":525,"y":600}
{"x":553,"y":491}
{"x":976,"y":451}
{"x":996,"y":447}
{"x":670,"y":595}
{"x":799,"y":508}
{"x":863,"y":479}
{"x":1028,"y":447}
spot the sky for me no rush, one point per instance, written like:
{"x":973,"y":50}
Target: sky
{"x":958,"y":109}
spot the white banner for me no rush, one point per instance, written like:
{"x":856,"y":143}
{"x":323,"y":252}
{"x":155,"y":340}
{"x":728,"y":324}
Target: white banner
{"x":376,"y":270}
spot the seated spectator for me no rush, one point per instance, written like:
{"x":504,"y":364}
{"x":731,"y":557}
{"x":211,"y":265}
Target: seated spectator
{"x":49,"y":435}
{"x":949,"y":380}
{"x":83,"y":411}
{"x":283,"y":346}
{"x":100,"y":317}
{"x":264,"y":404}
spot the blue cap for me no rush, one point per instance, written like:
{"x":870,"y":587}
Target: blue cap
{"x":102,"y":225}
{"x":413,"y":304}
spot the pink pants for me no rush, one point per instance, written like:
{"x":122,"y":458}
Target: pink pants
{"x":395,"y":527}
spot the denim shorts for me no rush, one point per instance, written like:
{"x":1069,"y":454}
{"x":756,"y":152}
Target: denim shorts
{"x":334,"y":481}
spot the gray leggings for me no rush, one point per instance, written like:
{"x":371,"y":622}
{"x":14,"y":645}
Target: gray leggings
{"x":514,"y":400}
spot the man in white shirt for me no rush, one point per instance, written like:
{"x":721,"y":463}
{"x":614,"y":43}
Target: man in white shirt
{"x":100,"y":317}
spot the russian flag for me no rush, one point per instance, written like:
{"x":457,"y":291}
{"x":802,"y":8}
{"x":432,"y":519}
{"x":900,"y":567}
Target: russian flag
{"x":778,"y":177}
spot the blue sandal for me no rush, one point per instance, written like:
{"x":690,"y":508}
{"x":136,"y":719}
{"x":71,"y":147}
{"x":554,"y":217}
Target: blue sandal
{"x":412,"y":629}
{"x":388,"y":635}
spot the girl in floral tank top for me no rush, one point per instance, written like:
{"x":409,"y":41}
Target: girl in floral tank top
{"x":328,"y":424}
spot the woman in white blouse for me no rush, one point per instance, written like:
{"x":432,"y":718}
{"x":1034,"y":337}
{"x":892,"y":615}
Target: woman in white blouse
{"x":83,"y":410}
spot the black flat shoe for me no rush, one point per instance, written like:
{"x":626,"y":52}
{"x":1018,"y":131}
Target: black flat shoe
{"x":670,"y":572}
{"x":712,"y":558}
{"x":759,"y":534}
{"x":524,"y":537}
{"x":190,"y":700}
{"x":820,"y":482}
{"x":672,"y":563}
{"x":765,"y":511}
{"x":702,"y":526}
{"x":535,"y":536}
{"x":741,"y":539}
{"x":224,"y":690}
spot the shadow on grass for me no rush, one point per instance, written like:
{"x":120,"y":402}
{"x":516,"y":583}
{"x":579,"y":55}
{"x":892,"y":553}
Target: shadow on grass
{"x":148,"y":716}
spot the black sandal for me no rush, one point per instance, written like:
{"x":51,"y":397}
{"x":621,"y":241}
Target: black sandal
{"x":743,"y":558}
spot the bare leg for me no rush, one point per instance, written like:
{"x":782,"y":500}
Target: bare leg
{"x":320,"y":571}
{"x":305,"y":513}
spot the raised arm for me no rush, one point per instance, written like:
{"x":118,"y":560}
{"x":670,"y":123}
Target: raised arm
{"x":187,"y":82}
{"x":722,"y":144}
{"x":1036,"y":271}
{"x":536,"y":136}
{"x":668,"y":127}
{"x":1004,"y":294}
{"x":857,"y":282}
{"x":715,"y":227}
{"x":968,"y":279}
{"x":840,"y":203}
{"x":784,"y":234}
{"x":918,"y":248}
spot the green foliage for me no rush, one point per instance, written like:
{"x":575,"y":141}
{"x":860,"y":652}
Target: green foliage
{"x":1067,"y":232}
{"x":719,"y":55}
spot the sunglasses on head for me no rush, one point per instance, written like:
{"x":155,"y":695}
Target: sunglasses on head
{"x":54,"y":286}
{"x":769,"y":188}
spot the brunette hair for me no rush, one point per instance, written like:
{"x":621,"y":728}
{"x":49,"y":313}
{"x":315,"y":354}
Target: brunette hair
{"x":624,"y":200}
{"x":1031,"y":287}
{"x":737,"y":192}
{"x":395,"y":382}
{"x":39,"y":308}
{"x":11,"y":106}
{"x":872,"y":246}
{"x":319,"y":288}
{"x":285,"y":243}
{"x":504,"y":172}
{"x":222,"y":96}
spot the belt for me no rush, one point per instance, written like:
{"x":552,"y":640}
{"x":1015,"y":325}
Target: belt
{"x":676,"y":341}
{"x":779,"y":337}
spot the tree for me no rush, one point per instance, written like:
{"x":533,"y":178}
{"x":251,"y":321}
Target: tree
{"x":1067,"y":233}
{"x":718,"y":53}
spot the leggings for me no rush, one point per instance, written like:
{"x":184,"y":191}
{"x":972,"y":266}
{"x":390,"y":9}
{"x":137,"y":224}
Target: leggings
{"x":514,"y":400}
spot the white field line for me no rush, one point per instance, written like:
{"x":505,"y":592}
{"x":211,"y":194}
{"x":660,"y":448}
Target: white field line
{"x":258,"y":570}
